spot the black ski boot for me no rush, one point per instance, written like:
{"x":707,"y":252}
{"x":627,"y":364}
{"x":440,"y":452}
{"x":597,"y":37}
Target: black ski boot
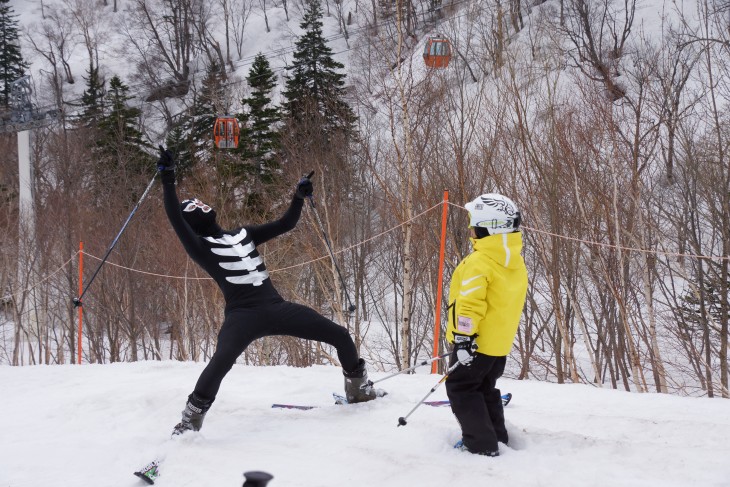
{"x":193,"y":415}
{"x":357,"y":386}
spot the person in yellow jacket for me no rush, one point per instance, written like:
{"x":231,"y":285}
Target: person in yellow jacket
{"x":486,"y":299}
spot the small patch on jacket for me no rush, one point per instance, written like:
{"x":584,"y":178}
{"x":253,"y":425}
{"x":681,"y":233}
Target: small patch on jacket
{"x":464,"y":324}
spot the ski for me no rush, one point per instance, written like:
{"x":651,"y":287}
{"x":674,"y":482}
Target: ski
{"x":340,"y":399}
{"x":506,"y":398}
{"x":292,"y":406}
{"x":150,"y":472}
{"x":437,"y":404}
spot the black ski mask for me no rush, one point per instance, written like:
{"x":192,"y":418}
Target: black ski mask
{"x":200,"y":217}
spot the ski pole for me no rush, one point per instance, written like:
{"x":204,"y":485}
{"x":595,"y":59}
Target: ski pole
{"x":351,"y":308}
{"x":425,"y":362}
{"x":402,"y":420}
{"x":77,"y":301}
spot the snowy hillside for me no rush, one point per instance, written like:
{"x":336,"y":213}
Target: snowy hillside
{"x":95,"y":424}
{"x":67,"y":425}
{"x":264,"y":28}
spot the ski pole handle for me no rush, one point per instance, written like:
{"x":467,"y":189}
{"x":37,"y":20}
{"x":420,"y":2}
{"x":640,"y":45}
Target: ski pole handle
{"x":311,"y":196}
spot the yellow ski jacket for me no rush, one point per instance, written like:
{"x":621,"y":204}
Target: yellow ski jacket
{"x":487,"y":293}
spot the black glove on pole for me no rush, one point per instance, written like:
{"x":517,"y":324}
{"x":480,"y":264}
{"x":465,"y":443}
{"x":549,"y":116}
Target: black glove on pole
{"x":464,"y":348}
{"x":77,"y":301}
{"x":305,"y":189}
{"x":166,"y":165}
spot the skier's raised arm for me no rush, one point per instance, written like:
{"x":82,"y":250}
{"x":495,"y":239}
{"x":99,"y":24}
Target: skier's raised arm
{"x":188,"y":238}
{"x":263,"y":233}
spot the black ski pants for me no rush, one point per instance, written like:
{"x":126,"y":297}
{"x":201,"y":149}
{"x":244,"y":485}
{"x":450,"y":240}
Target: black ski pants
{"x":477,"y":403}
{"x":243,"y":326}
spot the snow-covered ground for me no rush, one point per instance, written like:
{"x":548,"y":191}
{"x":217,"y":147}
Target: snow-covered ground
{"x":95,"y":424}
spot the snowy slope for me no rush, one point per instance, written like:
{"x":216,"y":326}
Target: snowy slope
{"x":95,"y":424}
{"x":117,"y":56}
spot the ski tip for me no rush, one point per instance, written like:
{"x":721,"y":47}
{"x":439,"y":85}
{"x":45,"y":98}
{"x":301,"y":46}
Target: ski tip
{"x":149,"y":473}
{"x":506,"y":398}
{"x":339,"y":398}
{"x":145,"y":478}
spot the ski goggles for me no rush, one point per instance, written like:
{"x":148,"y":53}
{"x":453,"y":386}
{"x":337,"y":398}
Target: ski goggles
{"x":195,"y":203}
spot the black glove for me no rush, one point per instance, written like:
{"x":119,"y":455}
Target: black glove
{"x":464,"y":348}
{"x":166,"y":165}
{"x":304,"y":187}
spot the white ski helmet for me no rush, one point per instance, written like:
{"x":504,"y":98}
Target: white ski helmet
{"x":494,"y":212}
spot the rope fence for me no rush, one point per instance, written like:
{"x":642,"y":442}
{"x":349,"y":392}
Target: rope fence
{"x":617,"y":247}
{"x":376,"y":236}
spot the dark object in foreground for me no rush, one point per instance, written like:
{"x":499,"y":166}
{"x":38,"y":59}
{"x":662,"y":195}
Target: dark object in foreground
{"x":256,"y":479}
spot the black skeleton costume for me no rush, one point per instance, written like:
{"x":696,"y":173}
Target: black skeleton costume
{"x":254,"y":309}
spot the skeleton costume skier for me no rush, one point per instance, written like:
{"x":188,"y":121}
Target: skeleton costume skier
{"x":254,"y":309}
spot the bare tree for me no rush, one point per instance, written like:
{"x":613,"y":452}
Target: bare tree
{"x":598,"y":32}
{"x":53,"y":39}
{"x":262,"y":6}
{"x":92,"y":25}
{"x":225,"y":6}
{"x":241,"y":10}
{"x":206,"y":39}
{"x":161,"y":36}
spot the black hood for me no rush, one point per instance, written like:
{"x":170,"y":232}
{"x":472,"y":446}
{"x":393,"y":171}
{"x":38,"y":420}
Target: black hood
{"x":200,"y":217}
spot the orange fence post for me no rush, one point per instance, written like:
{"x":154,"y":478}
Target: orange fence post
{"x":440,"y":281}
{"x":81,"y":290}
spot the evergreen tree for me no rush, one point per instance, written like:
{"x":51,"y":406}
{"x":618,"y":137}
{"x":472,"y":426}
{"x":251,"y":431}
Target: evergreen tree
{"x":259,"y":141}
{"x":710,"y":300}
{"x":120,"y":139}
{"x":315,"y":83}
{"x":12,"y":65}
{"x":92,"y":99}
{"x":179,"y":143}
{"x":197,"y":127}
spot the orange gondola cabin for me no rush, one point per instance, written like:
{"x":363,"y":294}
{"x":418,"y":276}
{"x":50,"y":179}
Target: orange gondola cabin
{"x":226,"y":132}
{"x":437,"y":52}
